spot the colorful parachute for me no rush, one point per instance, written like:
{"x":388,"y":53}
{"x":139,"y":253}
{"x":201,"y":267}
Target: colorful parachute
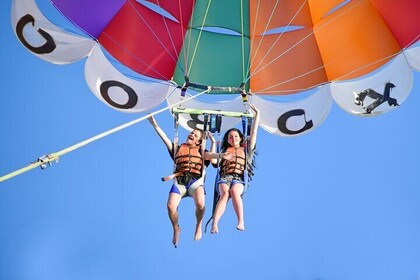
{"x":294,"y":56}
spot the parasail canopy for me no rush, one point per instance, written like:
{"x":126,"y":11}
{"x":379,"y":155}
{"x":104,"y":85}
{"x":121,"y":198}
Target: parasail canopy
{"x":294,"y":56}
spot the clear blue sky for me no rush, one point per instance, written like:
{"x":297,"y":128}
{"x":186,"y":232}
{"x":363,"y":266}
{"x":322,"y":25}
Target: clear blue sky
{"x":340,"y":203}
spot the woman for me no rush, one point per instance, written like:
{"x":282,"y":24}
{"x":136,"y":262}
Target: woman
{"x":231,"y":182}
{"x":188,"y":176}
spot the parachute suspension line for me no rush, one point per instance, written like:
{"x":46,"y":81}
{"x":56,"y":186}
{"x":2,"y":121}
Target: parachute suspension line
{"x":154,"y":34}
{"x":281,"y":34}
{"x":303,"y":39}
{"x":248,"y":67}
{"x":215,"y":127}
{"x":199,"y":37}
{"x":263,"y":36}
{"x":412,"y":41}
{"x":367,"y":65}
{"x":265,"y":90}
{"x":186,"y":55}
{"x":182,"y":33}
{"x":340,"y":14}
{"x":135,"y":57}
{"x":48,"y":159}
{"x":169,"y":33}
{"x":339,"y":78}
{"x":242,"y":40}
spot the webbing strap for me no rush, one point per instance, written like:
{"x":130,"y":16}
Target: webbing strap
{"x":176,"y":137}
{"x":215,"y":193}
{"x":192,"y":111}
{"x":203,"y":142}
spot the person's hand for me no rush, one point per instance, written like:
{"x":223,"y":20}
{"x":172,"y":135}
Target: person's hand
{"x":253,"y":107}
{"x":228,"y":156}
{"x":210,"y":135}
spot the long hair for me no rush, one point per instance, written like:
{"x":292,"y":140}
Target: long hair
{"x":250,"y":165}
{"x":225,"y":142}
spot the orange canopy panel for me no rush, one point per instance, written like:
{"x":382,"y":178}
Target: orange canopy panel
{"x":354,"y":41}
{"x":292,"y":64}
{"x":319,"y":8}
{"x":267,"y":15}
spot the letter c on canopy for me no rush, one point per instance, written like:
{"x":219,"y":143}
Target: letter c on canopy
{"x":281,"y":122}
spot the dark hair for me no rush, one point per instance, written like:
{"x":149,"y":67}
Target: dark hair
{"x":225,"y":142}
{"x":225,"y":145}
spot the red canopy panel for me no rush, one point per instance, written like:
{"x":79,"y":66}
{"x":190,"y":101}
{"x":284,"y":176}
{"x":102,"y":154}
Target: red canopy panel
{"x":402,"y":18}
{"x":144,"y":40}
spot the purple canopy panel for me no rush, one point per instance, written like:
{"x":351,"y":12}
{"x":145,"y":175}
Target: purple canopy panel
{"x":91,"y":16}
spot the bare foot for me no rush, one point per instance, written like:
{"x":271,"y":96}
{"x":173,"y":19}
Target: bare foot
{"x":175,"y":238}
{"x":240,"y":227}
{"x":214,"y":229}
{"x":198,"y":232}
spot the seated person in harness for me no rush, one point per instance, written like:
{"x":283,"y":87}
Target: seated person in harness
{"x":188,"y":176}
{"x":231,"y":181}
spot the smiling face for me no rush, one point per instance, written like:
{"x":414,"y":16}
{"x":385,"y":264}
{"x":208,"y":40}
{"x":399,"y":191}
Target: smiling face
{"x":234,"y":139}
{"x":194,"y":138}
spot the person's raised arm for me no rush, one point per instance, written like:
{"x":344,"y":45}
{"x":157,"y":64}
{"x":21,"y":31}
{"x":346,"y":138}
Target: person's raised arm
{"x":254,"y":128}
{"x":161,"y":133}
{"x":212,"y":147}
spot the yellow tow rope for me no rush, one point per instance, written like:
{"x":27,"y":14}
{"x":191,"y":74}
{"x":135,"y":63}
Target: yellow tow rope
{"x":48,"y":159}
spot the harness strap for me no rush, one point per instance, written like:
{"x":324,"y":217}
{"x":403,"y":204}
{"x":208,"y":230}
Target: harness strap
{"x":246,"y":125}
{"x":170,"y":177}
{"x":218,"y":122}
{"x":203,"y":142}
{"x":176,"y":138}
{"x":215,"y":193}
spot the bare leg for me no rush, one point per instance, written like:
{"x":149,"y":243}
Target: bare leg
{"x":236,"y":192}
{"x":199,"y":200}
{"x":220,"y":207}
{"x":173,"y":203}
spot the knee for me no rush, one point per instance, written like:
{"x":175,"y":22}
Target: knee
{"x":236,"y":192}
{"x":224,"y":194}
{"x":200,"y":206}
{"x":171,"y":207}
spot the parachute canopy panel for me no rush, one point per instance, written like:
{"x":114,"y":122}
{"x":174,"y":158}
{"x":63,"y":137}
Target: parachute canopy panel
{"x":229,"y":15}
{"x":360,"y":53}
{"x":402,"y":18}
{"x":88,"y":15}
{"x":270,"y":15}
{"x":354,"y":41}
{"x":281,"y":64}
{"x":217,"y":59}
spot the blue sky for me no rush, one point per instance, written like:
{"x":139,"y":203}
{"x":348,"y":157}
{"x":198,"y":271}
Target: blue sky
{"x":341,"y":202}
